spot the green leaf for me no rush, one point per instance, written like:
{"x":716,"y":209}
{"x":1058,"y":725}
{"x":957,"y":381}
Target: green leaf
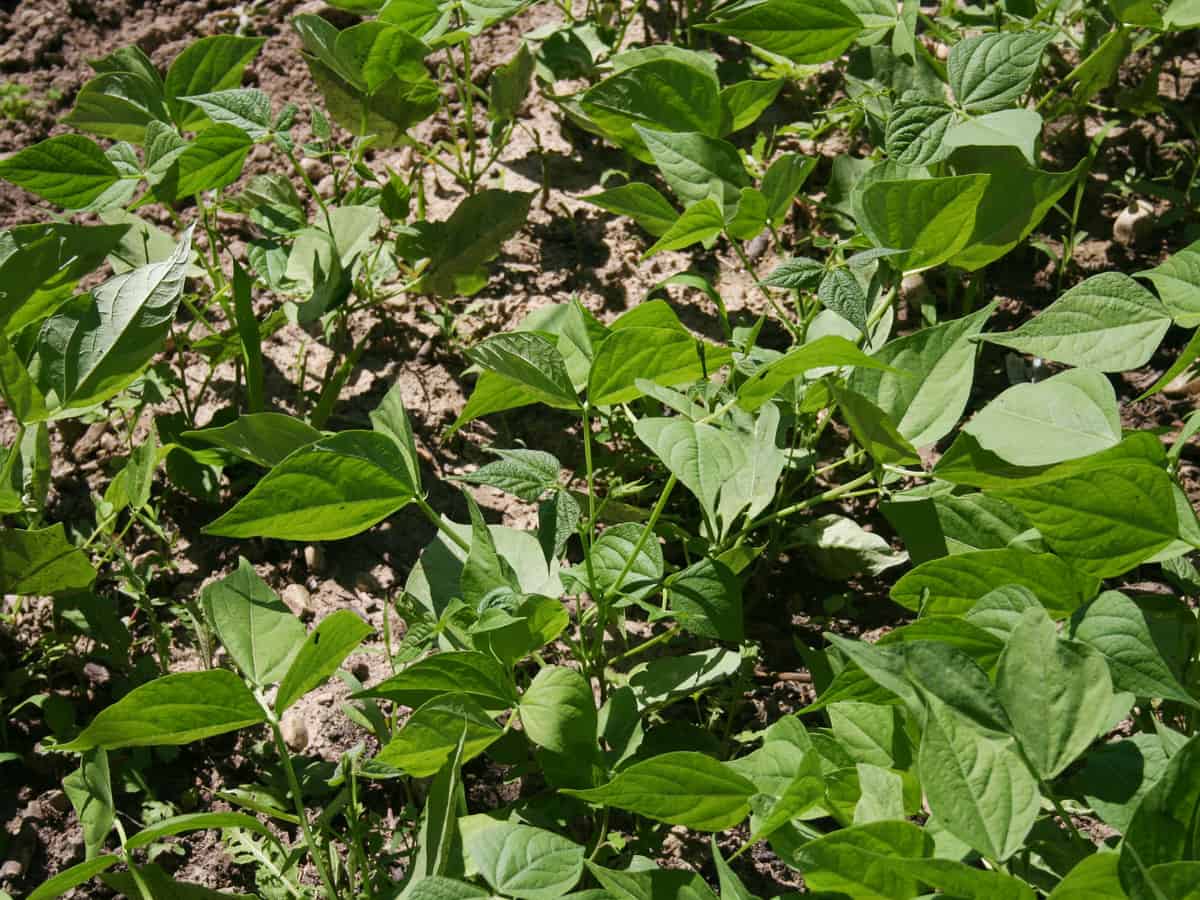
{"x":173,"y":709}
{"x":99,"y":343}
{"x":73,"y":877}
{"x":649,"y":884}
{"x":530,"y":360}
{"x":930,"y":219}
{"x":960,"y":879}
{"x":706,"y":599}
{"x":680,"y":788}
{"x":975,"y":783}
{"x":700,"y":222}
{"x":1056,"y":693}
{"x":642,"y":203}
{"x":731,"y":886}
{"x":804,"y":32}
{"x":213,"y":160}
{"x":335,"y":638}
{"x":121,"y":105}
{"x":1108,"y":322}
{"x":1100,"y":68}
{"x":376,"y":52}
{"x":509,"y":84}
{"x":1163,"y":829}
{"x":951,"y":585}
{"x":391,"y":418}
{"x":1177,"y":280}
{"x":526,"y":474}
{"x":41,"y":562}
{"x":829,"y":350}
{"x":1182,"y":14}
{"x":260,"y":634}
{"x":1117,"y":627}
{"x":917,"y":128}
{"x":1069,"y":415}
{"x":209,"y":65}
{"x":609,"y":555}
{"x":841,"y":292}
{"x":1105,"y":521}
{"x":840,"y":548}
{"x":782,"y":181}
{"x":558,"y":712}
{"x":332,"y":488}
{"x":660,"y":680}
{"x":1116,"y":776}
{"x":945,"y":523}
{"x":17,"y":389}
{"x":743,"y":102}
{"x":1019,"y":128}
{"x":195,"y":822}
{"x":433,"y":732}
{"x":702,"y":457}
{"x":248,"y":109}
{"x":89,"y":789}
{"x":991,"y":71}
{"x":854,"y":861}
{"x":438,"y":888}
{"x":265,"y":439}
{"x":928,"y":380}
{"x":68,"y":170}
{"x":649,"y":342}
{"x":464,"y":672}
{"x":696,"y":166}
{"x":664,"y":94}
{"x":521,"y":861}
{"x":874,"y":429}
{"x":1094,"y":878}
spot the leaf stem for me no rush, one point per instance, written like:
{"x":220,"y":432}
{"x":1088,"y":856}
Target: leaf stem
{"x":432,"y":515}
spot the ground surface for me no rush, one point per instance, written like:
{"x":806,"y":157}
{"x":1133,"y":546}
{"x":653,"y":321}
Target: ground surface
{"x":569,"y":248}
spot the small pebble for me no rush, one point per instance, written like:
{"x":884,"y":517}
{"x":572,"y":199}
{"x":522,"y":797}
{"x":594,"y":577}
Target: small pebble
{"x":1134,"y":223}
{"x":294,"y":731}
{"x":313,"y":168}
{"x":361,"y":671}
{"x":297,"y":598}
{"x":314,"y":558}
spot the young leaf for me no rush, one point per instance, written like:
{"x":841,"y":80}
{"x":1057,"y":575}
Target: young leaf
{"x":474,"y":233}
{"x":1117,"y":627}
{"x":391,"y":418}
{"x":991,"y":71}
{"x":742,"y":103}
{"x":68,"y":170}
{"x":952,"y":585}
{"x":931,"y":219}
{"x":917,"y":128}
{"x":697,"y":166}
{"x":213,"y":160}
{"x":829,"y":350}
{"x":329,"y":489}
{"x":521,"y":861}
{"x":335,"y":638}
{"x":1056,"y":693}
{"x":260,"y":634}
{"x":173,"y":709}
{"x":1177,"y":280}
{"x":701,"y":222}
{"x":265,"y":439}
{"x":706,"y":599}
{"x":558,"y":712}
{"x":89,"y":789}
{"x":432,"y":733}
{"x":642,"y":203}
{"x":680,"y":788}
{"x":1069,"y":415}
{"x":804,"y":32}
{"x":463,"y":672}
{"x":526,"y":474}
{"x":248,"y":109}
{"x":509,"y":85}
{"x":98,"y":344}
{"x":782,"y":181}
{"x":1108,"y":322}
{"x":841,"y":292}
{"x":610,"y":555}
{"x":74,"y":876}
{"x":43,"y":561}
{"x":530,"y":360}
{"x":702,"y":457}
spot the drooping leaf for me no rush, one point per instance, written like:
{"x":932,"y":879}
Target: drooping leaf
{"x":335,"y":638}
{"x":697,"y":166}
{"x":854,"y":861}
{"x":700,"y":222}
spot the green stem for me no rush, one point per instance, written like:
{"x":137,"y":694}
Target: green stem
{"x":641,"y":648}
{"x":779,"y":311}
{"x":432,"y":515}
{"x":832,"y":494}
{"x":142,"y":888}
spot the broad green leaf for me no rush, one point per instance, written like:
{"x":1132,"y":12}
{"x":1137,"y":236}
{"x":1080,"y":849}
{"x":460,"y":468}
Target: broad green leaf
{"x":702,"y":457}
{"x":530,"y":360}
{"x":391,"y":418}
{"x":1116,"y":626}
{"x":1115,"y":776}
{"x":131,"y":486}
{"x":680,"y":788}
{"x":660,"y":680}
{"x":1177,"y":280}
{"x":74,"y":876}
{"x":916,"y":129}
{"x":1100,"y":68}
{"x":1019,"y":128}
{"x":854,"y":861}
{"x":960,"y":879}
{"x":930,"y":219}
{"x":805,"y":31}
{"x":700,"y":222}
{"x":335,"y":638}
{"x":706,"y":599}
{"x":749,"y":217}
{"x":509,"y":85}
{"x":1108,"y":322}
{"x":41,"y":562}
{"x":521,"y":861}
{"x":462,"y":672}
{"x":68,"y":170}
{"x":1057,"y":693}
{"x":928,"y":382}
{"x":99,"y":343}
{"x":260,"y":634}
{"x":642,"y":203}
{"x":89,"y":789}
{"x":210,"y":64}
{"x":558,"y":712}
{"x":1163,"y":829}
{"x":439,"y":888}
{"x":869,"y":732}
{"x":1182,"y":14}
{"x":940,"y":524}
{"x":213,"y":160}
{"x":610,"y":555}
{"x":975,"y":783}
{"x":332,"y":488}
{"x":173,"y":709}
{"x":650,"y":883}
{"x":696,"y":166}
{"x":753,"y":486}
{"x":121,"y":105}
{"x":1106,"y":521}
{"x":194,"y":822}
{"x":1093,"y":878}
{"x":376,"y":52}
{"x":951,"y":585}
{"x":246,"y":108}
{"x":991,"y":71}
{"x":829,"y":350}
{"x":841,"y":292}
{"x":840,"y":548}
{"x":433,"y":732}
{"x":664,"y":94}
{"x":874,"y":429}
{"x":783,"y":180}
{"x":649,"y":342}
{"x":526,"y":474}
{"x":743,"y":102}
{"x":17,"y":389}
{"x":265,"y":439}
{"x":1069,"y":415}
{"x":999,"y":611}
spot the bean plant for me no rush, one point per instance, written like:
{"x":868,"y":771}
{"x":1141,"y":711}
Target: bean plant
{"x":1025,"y":727}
